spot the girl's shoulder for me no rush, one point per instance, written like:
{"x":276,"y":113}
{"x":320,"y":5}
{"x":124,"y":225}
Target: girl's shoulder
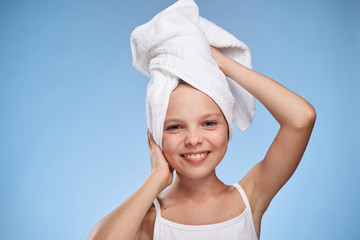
{"x":247,"y":185}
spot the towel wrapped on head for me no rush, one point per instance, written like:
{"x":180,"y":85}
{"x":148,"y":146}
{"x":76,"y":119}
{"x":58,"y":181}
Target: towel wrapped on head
{"x":175,"y":45}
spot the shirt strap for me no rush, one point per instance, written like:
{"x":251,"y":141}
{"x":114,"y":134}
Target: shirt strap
{"x":157,"y":207}
{"x":243,"y":195}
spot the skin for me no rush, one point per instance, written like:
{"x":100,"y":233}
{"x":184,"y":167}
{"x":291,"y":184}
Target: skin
{"x":196,"y":196}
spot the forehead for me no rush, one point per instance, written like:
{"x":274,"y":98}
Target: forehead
{"x":187,"y":100}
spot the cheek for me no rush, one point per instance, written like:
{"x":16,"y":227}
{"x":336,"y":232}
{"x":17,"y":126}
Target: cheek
{"x":169,"y":144}
{"x":219,"y":138}
{"x":170,"y":149}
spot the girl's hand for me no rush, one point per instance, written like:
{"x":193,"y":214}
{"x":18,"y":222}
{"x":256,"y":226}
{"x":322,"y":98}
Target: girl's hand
{"x":218,"y":56}
{"x":159,"y":165}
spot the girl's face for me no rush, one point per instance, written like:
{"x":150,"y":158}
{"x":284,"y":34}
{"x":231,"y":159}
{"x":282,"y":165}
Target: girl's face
{"x":195,"y":133}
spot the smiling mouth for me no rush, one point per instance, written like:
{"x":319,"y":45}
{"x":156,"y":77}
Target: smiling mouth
{"x":195,"y":157}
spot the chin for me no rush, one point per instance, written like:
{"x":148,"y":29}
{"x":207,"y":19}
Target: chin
{"x":195,"y":173}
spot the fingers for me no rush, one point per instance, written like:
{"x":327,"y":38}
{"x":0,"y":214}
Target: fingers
{"x":150,"y":140}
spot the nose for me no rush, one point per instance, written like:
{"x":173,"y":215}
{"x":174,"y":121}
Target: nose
{"x":193,"y":138}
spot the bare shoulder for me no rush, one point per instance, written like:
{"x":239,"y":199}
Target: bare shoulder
{"x":146,"y":229}
{"x":248,"y":183}
{"x":253,"y":192}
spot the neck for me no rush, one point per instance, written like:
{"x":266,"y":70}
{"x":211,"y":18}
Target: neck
{"x":198,"y":188}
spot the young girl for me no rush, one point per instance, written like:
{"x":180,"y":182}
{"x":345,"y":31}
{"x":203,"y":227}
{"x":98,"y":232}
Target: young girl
{"x":197,"y":205}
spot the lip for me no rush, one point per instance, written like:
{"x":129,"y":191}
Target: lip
{"x":195,"y":160}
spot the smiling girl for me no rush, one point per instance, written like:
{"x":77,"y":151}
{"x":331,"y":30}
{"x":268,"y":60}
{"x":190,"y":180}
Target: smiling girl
{"x":197,"y":204}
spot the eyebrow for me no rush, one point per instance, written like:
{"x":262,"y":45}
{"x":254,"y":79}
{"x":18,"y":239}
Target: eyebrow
{"x":207,"y":115}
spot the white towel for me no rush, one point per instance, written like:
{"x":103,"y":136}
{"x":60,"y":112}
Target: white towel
{"x":175,"y":45}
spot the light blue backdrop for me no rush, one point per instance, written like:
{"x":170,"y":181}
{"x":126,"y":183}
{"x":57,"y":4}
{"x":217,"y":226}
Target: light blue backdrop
{"x":73,"y":125}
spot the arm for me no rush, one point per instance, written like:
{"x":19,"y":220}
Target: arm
{"x":125,"y":221}
{"x":296,"y":118}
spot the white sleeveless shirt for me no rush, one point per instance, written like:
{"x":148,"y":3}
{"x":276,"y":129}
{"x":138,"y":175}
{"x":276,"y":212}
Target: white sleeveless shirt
{"x":239,"y":228}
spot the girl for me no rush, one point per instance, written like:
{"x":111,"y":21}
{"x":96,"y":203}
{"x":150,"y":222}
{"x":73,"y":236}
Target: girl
{"x":197,"y":205}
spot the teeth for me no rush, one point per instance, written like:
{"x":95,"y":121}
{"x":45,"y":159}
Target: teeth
{"x":193,"y":156}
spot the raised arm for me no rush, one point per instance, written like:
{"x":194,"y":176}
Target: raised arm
{"x":296,"y":118}
{"x":127,"y":222}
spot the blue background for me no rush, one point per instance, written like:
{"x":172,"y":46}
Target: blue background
{"x":73,"y":125}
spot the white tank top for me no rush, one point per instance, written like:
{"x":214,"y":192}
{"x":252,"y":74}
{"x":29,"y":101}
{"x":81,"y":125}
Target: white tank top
{"x":239,"y":228}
